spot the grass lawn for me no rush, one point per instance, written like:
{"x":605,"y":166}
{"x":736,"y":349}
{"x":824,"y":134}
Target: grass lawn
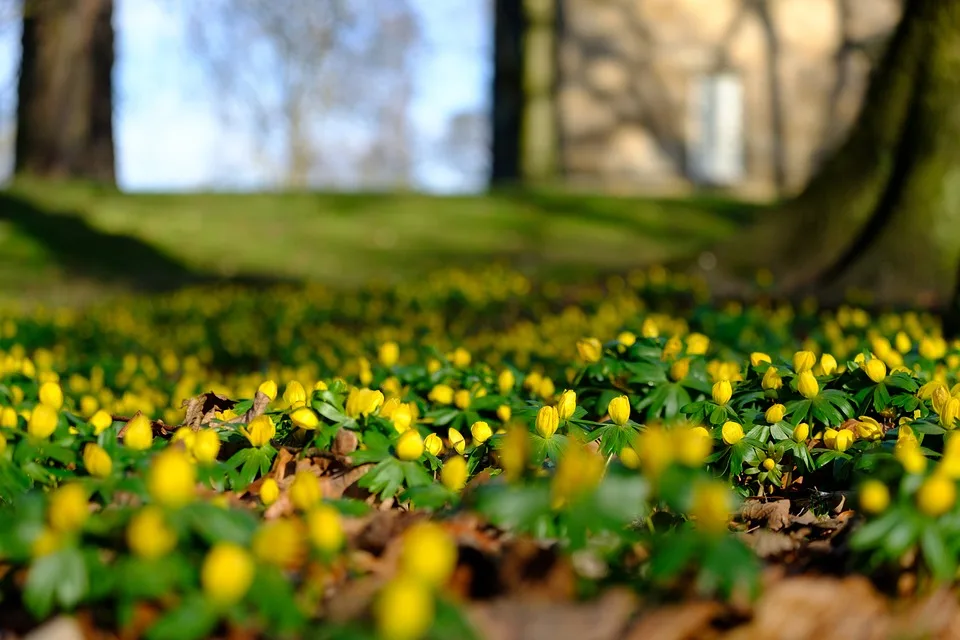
{"x":69,"y":242}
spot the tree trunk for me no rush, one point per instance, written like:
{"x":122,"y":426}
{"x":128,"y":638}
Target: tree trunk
{"x":882,"y":215}
{"x":65,"y":107}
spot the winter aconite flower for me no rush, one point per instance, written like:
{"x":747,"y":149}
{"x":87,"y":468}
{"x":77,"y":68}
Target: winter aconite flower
{"x":404,"y":609}
{"x":305,"y":418}
{"x":807,"y":385}
{"x":680,"y":369}
{"x":68,"y":508}
{"x":547,"y":422}
{"x":269,"y":491}
{"x":51,"y":395}
{"x":801,"y":432}
{"x":721,"y":392}
{"x":949,"y":413}
{"x":325,"y":528}
{"x":505,"y":381}
{"x":269,"y":389}
{"x":363,"y":402}
{"x":43,"y":422}
{"x":96,"y":460}
{"x":590,"y":350}
{"x":101,"y":421}
{"x":429,"y":553}
{"x":480,"y":431}
{"x":828,"y":363}
{"x":171,"y":479}
{"x":305,"y":490}
{"x":409,"y":445}
{"x":433,"y":444}
{"x":775,"y":413}
{"x":441,"y":394}
{"x":758,"y":357}
{"x":260,"y":430}
{"x":711,"y":506}
{"x":771,"y":379}
{"x":619,"y":410}
{"x":457,"y":440}
{"x":731,"y":432}
{"x":138,"y":434}
{"x":388,"y":354}
{"x":148,"y":534}
{"x":280,"y":542}
{"x":453,"y":474}
{"x":936,"y":495}
{"x":803,"y":361}
{"x":206,"y":446}
{"x":295,"y":395}
{"x":504,"y":413}
{"x":567,"y":404}
{"x":227,"y":573}
{"x":875,"y":369}
{"x":874,"y":496}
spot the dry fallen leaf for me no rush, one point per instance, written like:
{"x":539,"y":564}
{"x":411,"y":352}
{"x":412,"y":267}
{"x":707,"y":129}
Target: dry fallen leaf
{"x":775,"y":514}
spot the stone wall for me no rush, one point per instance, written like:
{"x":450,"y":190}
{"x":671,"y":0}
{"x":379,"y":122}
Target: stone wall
{"x":626,"y":72}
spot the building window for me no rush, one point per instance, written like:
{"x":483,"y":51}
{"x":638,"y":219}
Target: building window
{"x":715,"y":143}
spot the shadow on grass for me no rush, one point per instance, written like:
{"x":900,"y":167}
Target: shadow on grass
{"x":83,"y":251}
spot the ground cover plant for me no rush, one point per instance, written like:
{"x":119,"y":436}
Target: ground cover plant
{"x":476,"y":454}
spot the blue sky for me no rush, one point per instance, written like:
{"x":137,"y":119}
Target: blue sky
{"x":170,"y":136}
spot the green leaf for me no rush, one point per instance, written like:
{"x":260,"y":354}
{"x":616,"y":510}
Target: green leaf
{"x":58,"y":579}
{"x":941,"y":562}
{"x":385,"y":479}
{"x":215,"y":524}
{"x":192,"y":620}
{"x":276,"y":600}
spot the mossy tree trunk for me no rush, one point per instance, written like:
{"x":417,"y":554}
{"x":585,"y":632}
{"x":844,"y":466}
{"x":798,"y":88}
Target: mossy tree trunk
{"x":882,"y":215}
{"x":65,"y":90}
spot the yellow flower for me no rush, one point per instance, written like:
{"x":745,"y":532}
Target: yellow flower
{"x":908,"y":454}
{"x":441,"y":394}
{"x":801,"y":432}
{"x":697,"y":344}
{"x":547,"y":421}
{"x":68,"y":508}
{"x":711,"y":506}
{"x":404,"y":609}
{"x":305,"y":418}
{"x":8,"y":418}
{"x":830,"y":438}
{"x":295,"y":395}
{"x":428,"y":553}
{"x":505,"y":381}
{"x":148,"y":534}
{"x":627,"y":339}
{"x":88,"y":406}
{"x":680,"y":369}
{"x":902,"y":342}
{"x":619,"y":410}
{"x":269,"y":389}
{"x":453,"y":474}
{"x":807,"y":385}
{"x":171,"y":479}
{"x":480,"y":431}
{"x":546,"y":389}
{"x":775,"y":413}
{"x":655,"y":448}
{"x":227,"y":573}
{"x":869,"y":429}
{"x":269,"y":491}
{"x":280,"y":543}
{"x":43,"y":422}
{"x":671,"y":349}
{"x":409,"y":445}
{"x":139,"y":433}
{"x":803,"y":361}
{"x":260,"y":430}
{"x":325,"y":528}
{"x":100,"y":421}
{"x":97,"y":461}
{"x":461,"y":358}
{"x":462,"y":399}
{"x":433,"y":444}
{"x":649,"y":329}
{"x":363,"y":402}
{"x":51,"y":395}
{"x":206,"y":446}
{"x":590,"y":350}
{"x":844,"y":440}
{"x":46,"y":542}
{"x":936,"y":495}
{"x":731,"y":432}
{"x":771,"y":379}
{"x":567,"y":404}
{"x":722,"y":392}
{"x":758,"y":357}
{"x":457,"y":440}
{"x":513,"y":452}
{"x":402,"y":418}
{"x":389,"y":354}
{"x":305,"y":491}
{"x":692,"y":445}
{"x":630,"y":458}
{"x":874,"y":497}
{"x":769,"y":464}
{"x":504,"y":413}
{"x":578,"y":472}
{"x":828,"y":363}
{"x":939,"y":398}
{"x":876,"y":370}
{"x":948,"y":416}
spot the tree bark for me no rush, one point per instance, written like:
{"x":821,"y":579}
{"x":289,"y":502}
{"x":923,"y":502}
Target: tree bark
{"x":65,"y":91}
{"x":882,"y":215}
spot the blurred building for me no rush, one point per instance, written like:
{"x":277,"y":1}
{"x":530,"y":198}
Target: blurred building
{"x":663,"y":95}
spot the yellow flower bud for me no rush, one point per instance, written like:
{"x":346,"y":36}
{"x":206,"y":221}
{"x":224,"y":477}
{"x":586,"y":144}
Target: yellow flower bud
{"x":404,"y":609}
{"x":619,"y":410}
{"x":409,"y":445}
{"x":441,"y":394}
{"x":480,"y":431}
{"x":697,"y":344}
{"x":51,"y":395}
{"x":325,"y":528}
{"x":874,"y":497}
{"x":402,"y":418}
{"x":627,"y":339}
{"x":269,"y":491}
{"x":936,"y":495}
{"x":260,"y":430}
{"x":758,"y":357}
{"x":171,"y":479}
{"x":547,"y":421}
{"x":843,"y":440}
{"x":389,"y":354}
{"x":206,"y":446}
{"x":629,"y":458}
{"x":722,"y":392}
{"x":8,"y":418}
{"x":513,"y":452}
{"x":828,"y":363}
{"x":43,"y":422}
{"x":280,"y":543}
{"x":462,"y":399}
{"x":769,"y":464}
{"x":908,"y":454}
{"x":505,"y":381}
{"x":711,"y":506}
{"x":590,"y":350}
{"x":148,"y":534}
{"x":869,"y":429}
{"x":429,"y":553}
{"x":948,"y":415}
{"x":807,"y":385}
{"x":305,"y":491}
{"x":504,"y":413}
{"x":100,"y":421}
{"x":227,"y":573}
{"x":649,"y":329}
{"x":567,"y":404}
{"x":457,"y":440}
{"x":68,"y":508}
{"x":876,"y":370}
{"x":269,"y":389}
{"x":775,"y":413}
{"x":433,"y":444}
{"x":139,"y":433}
{"x":295,"y":395}
{"x":771,"y":379}
{"x":732,"y":432}
{"x":453,"y":474}
{"x":97,"y":461}
{"x":801,"y":432}
{"x":680,"y":369}
{"x":939,"y":397}
{"x":363,"y":402}
{"x":803,"y":361}
{"x":902,"y":342}
{"x":461,"y":358}
{"x":305,"y":418}
{"x":692,"y":445}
